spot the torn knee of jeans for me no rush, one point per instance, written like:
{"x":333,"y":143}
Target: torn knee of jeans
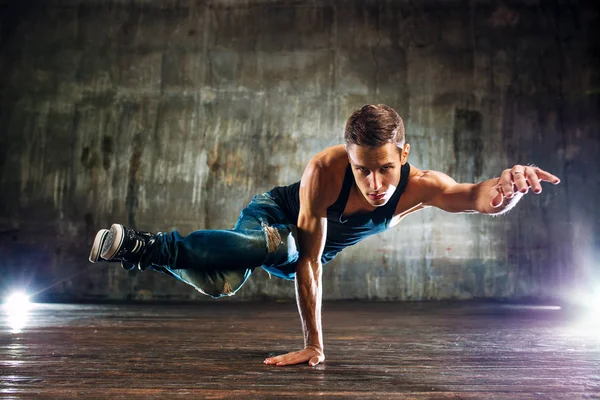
{"x":215,"y":294}
{"x":227,"y":290}
{"x":273,"y":237}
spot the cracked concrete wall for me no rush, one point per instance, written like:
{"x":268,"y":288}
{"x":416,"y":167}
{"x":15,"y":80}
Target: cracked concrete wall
{"x":173,"y":114}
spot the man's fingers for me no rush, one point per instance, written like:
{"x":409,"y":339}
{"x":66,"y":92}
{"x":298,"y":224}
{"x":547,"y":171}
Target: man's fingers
{"x":534,"y":180}
{"x":506,"y":184}
{"x":497,"y":199}
{"x":519,"y":178}
{"x":284,"y":359}
{"x":546,"y":176}
{"x":520,"y":181}
{"x":273,"y":360}
{"x":296,"y":357}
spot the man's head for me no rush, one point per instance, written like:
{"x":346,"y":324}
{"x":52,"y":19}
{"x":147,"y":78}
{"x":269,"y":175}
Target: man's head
{"x":376,"y":150}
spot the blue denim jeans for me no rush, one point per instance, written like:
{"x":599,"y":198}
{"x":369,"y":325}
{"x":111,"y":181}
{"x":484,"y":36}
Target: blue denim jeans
{"x":218,"y":262}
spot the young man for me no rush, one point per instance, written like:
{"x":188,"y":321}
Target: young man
{"x":347,"y":192}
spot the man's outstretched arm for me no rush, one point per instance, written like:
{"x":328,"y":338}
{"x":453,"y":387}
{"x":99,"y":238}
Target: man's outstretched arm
{"x":494,"y":196}
{"x":312,"y":231}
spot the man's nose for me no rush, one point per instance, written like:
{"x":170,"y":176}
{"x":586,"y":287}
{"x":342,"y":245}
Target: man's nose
{"x":375,"y":182}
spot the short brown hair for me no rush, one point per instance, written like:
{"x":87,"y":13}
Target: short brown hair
{"x":374,"y":126}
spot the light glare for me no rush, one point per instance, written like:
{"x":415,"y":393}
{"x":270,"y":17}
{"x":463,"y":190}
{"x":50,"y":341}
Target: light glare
{"x":17,"y":306}
{"x":588,"y":302}
{"x":17,"y":302}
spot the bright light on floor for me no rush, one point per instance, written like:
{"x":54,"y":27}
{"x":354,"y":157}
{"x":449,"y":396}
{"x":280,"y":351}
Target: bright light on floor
{"x":589,"y":304}
{"x":17,"y":306}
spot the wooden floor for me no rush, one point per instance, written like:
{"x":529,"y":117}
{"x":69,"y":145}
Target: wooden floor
{"x":374,"y":350}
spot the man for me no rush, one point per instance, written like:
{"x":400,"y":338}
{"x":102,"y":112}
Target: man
{"x":347,"y":192}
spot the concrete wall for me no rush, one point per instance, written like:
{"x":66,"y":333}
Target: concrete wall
{"x":173,"y":114}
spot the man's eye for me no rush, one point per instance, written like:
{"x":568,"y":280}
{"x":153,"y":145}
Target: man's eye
{"x":386,"y":168}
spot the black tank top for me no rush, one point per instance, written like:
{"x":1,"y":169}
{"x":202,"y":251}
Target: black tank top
{"x":343,"y":231}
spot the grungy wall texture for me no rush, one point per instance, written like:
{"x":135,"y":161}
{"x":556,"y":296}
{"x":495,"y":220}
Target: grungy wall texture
{"x":173,"y":114}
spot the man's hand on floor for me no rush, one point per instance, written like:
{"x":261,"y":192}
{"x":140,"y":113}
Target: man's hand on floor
{"x":311,"y":354}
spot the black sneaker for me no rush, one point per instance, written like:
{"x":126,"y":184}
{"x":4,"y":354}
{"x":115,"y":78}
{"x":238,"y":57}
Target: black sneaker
{"x":97,"y":248}
{"x":126,"y":244}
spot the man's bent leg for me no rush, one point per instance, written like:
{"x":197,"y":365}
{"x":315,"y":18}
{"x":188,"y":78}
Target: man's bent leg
{"x":218,"y":262}
{"x":215,"y":262}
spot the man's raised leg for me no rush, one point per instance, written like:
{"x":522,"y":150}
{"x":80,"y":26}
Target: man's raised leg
{"x":215,"y":262}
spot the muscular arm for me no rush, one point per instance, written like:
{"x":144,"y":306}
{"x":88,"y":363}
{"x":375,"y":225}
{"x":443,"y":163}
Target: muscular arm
{"x":494,"y":196}
{"x":312,"y":231}
{"x":315,"y":197}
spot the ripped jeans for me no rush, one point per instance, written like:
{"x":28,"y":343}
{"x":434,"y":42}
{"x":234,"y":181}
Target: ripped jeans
{"x":218,"y":262}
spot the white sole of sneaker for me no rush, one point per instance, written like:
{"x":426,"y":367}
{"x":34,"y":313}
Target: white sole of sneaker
{"x":117,"y":234}
{"x":97,"y":246}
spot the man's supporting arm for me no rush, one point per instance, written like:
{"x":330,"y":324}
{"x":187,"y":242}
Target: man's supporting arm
{"x":312,"y":231}
{"x":309,"y":294}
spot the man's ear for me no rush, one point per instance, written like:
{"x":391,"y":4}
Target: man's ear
{"x":404,"y":154}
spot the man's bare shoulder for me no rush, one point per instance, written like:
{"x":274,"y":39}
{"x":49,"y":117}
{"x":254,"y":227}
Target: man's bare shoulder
{"x":330,"y":163}
{"x":324,"y":174}
{"x":423,"y":177}
{"x":332,"y":157}
{"x":421,"y":187}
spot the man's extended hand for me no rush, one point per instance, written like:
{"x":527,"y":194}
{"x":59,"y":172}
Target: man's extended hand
{"x":520,"y":178}
{"x":311,"y":354}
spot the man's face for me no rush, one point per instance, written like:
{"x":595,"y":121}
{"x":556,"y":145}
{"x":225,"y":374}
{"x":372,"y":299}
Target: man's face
{"x":377,"y":170}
